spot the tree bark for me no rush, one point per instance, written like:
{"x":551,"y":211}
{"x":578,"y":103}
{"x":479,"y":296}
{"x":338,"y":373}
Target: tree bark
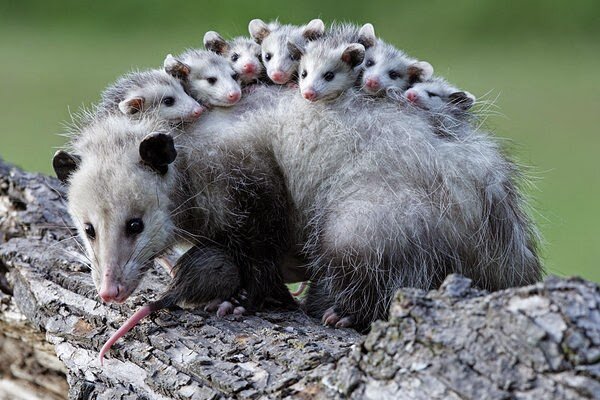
{"x":538,"y":342}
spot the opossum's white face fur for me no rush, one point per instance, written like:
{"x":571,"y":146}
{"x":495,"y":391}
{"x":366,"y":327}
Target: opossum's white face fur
{"x":280,"y":64}
{"x":243,"y":54}
{"x":167,"y":99}
{"x":439,"y":96}
{"x":326,"y":72}
{"x":119,"y":202}
{"x":386,"y":67}
{"x":208,"y":77}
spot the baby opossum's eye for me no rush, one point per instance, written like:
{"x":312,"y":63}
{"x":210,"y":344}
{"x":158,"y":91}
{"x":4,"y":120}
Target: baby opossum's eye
{"x":235,"y":57}
{"x":89,"y":230}
{"x":303,"y":75}
{"x":168,"y":101}
{"x":431,"y":94}
{"x":369,"y":63}
{"x":328,"y":76}
{"x":212,"y":80}
{"x":268,"y":56}
{"x":134,"y":226}
{"x":235,"y":76}
{"x":394,"y":75}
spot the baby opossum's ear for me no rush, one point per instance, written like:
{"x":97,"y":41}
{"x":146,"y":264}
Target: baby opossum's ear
{"x":354,"y":54}
{"x":215,"y":43}
{"x":313,"y":30}
{"x":464,"y":100}
{"x":64,"y":164}
{"x":132,"y":105}
{"x":296,"y":50}
{"x":366,"y":36}
{"x":157,"y":151}
{"x":419,"y":71}
{"x":176,"y":68}
{"x":259,"y":30}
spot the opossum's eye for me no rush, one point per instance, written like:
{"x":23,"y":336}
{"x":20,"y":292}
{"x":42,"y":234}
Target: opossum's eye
{"x":235,"y":57}
{"x":369,"y":63}
{"x":268,"y":57}
{"x":212,"y":80}
{"x":431,"y":94}
{"x":328,"y":76}
{"x":134,"y":226}
{"x":89,"y":230}
{"x":394,"y":75}
{"x":168,"y":101}
{"x":235,"y":76}
{"x":303,"y":75}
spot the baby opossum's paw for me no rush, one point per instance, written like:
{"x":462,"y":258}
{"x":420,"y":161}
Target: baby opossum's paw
{"x":332,"y":318}
{"x":224,"y":308}
{"x":292,"y":85}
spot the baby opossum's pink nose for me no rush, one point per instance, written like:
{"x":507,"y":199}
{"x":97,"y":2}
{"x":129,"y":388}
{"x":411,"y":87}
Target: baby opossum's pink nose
{"x":372,"y":83}
{"x":233,"y":97}
{"x":249,"y":68}
{"x":309,"y":94}
{"x":109,"y":292}
{"x":197,"y":111}
{"x":278,"y":77}
{"x":411,"y":96}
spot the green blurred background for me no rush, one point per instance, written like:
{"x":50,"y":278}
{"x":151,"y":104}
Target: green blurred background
{"x":540,"y":60}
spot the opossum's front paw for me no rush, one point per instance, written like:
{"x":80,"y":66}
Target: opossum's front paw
{"x":332,"y":318}
{"x":224,"y":308}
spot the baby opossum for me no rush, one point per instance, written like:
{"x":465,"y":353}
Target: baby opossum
{"x":447,"y":105}
{"x":330,"y":64}
{"x":132,"y":194}
{"x":386,"y":67}
{"x":208,"y":77}
{"x":282,"y":66}
{"x":244,"y":54}
{"x":137,"y":93}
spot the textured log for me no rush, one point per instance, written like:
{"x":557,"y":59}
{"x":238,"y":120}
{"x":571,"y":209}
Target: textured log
{"x":541,"y":341}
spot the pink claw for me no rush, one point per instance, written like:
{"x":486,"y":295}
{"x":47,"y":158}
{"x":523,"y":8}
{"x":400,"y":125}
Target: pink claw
{"x":126,"y":327}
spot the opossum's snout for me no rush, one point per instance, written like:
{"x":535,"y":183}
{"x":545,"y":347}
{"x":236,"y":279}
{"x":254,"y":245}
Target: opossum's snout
{"x":372,"y":84}
{"x":309,"y":94}
{"x":111,"y":291}
{"x":197,"y":111}
{"x":279,"y":77}
{"x":233,"y":97}
{"x":412,"y":96}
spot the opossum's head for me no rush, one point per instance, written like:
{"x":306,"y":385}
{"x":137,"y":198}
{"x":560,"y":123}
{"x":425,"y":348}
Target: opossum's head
{"x":162,"y":95}
{"x":325,"y":71}
{"x":439,"y":96}
{"x":386,"y":67}
{"x":119,"y":199}
{"x":280,"y":64}
{"x":208,"y":77}
{"x":243,"y":54}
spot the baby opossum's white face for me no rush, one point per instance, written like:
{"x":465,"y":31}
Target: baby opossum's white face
{"x":121,"y":209}
{"x":439,"y":96}
{"x":168,"y":101}
{"x":388,"y":68}
{"x":280,"y":65}
{"x":326,"y":72}
{"x":246,"y":59}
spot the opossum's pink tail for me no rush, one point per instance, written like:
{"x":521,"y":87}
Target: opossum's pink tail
{"x":300,"y":290}
{"x":126,"y":327}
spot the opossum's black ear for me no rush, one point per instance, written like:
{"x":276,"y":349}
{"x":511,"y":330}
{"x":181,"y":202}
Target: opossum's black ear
{"x":419,"y":71}
{"x":215,"y":43}
{"x":464,"y":100}
{"x":354,"y":54}
{"x":157,"y":151}
{"x":64,"y":164}
{"x":132,"y":105}
{"x":259,"y":30}
{"x":366,"y":36}
{"x":313,"y":30}
{"x":176,"y":68}
{"x":296,"y":50}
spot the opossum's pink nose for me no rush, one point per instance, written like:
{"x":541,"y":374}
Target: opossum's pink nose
{"x":411,"y":96}
{"x":197,"y":111}
{"x":309,"y":94}
{"x":249,"y":68}
{"x":372,"y":83}
{"x":109,"y":292}
{"x":279,"y":77}
{"x":233,"y":97}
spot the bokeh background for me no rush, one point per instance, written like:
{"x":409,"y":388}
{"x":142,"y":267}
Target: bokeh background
{"x":538,"y":60}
